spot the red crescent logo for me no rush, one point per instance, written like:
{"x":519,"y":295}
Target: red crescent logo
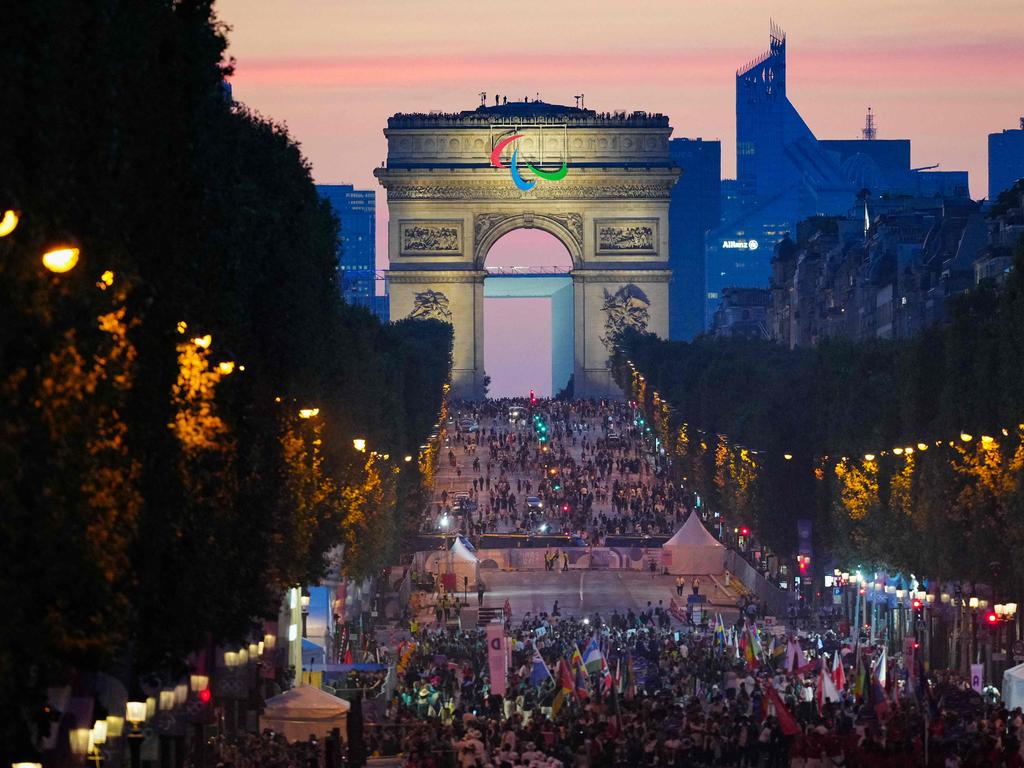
{"x":496,"y":152}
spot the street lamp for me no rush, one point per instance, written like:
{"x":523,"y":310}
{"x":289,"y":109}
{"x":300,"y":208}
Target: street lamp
{"x":359,"y":443}
{"x":304,"y":603}
{"x":8,"y":222}
{"x":61,"y":259}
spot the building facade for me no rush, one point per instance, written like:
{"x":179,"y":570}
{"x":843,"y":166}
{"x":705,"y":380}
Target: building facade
{"x":694,"y":209}
{"x":889,"y":269}
{"x":357,"y":250}
{"x":1005,"y":160}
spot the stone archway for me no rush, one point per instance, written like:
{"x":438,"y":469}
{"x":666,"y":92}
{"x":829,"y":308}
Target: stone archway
{"x":599,"y":183}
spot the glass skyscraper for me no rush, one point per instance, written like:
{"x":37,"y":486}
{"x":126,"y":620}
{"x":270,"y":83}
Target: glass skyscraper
{"x":695,"y":208}
{"x":356,"y":210}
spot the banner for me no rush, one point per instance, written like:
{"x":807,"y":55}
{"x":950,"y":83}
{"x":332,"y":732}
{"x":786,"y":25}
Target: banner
{"x":977,"y":677}
{"x":497,"y":657}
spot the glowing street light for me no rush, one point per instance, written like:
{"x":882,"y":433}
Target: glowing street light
{"x":308,"y":413}
{"x":8,"y":222}
{"x":62,"y":259}
{"x":359,"y":443}
{"x":203,"y":342}
{"x":226,"y":367}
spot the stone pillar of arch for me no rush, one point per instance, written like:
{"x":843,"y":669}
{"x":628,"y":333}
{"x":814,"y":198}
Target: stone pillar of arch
{"x":448,"y":205}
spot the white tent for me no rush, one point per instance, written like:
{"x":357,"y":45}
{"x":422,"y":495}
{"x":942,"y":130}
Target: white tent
{"x":1013,"y":687}
{"x":305,"y":710}
{"x":457,"y":560}
{"x":694,"y":550}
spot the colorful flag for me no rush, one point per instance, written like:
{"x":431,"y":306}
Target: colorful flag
{"x":592,"y":656}
{"x":576,"y":659}
{"x":539,"y":671}
{"x":794,"y":655}
{"x":677,"y":611}
{"x":787,"y":723}
{"x":565,"y":686}
{"x":838,"y":673}
{"x":826,"y":688}
{"x":629,"y":687}
{"x":606,"y":678}
{"x":860,"y":677}
{"x":719,"y":631}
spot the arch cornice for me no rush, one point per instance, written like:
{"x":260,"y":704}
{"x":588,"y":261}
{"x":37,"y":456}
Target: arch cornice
{"x":488,"y":228}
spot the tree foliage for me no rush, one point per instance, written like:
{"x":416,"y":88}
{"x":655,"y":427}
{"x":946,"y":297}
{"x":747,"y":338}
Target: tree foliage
{"x":864,"y":439}
{"x":157,"y":485}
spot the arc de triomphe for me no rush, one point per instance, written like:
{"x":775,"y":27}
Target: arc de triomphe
{"x":598,"y":182}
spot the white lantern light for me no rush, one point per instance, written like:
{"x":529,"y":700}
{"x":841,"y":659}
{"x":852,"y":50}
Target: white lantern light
{"x":150,"y":707}
{"x":180,"y":694}
{"x":973,"y":602}
{"x":99,"y":732}
{"x":135,"y":712}
{"x":166,"y":699}
{"x":199,"y":683}
{"x":79,"y":739}
{"x":115,"y":726}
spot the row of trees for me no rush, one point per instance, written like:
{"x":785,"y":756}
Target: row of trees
{"x":177,"y":412}
{"x":905,"y":454}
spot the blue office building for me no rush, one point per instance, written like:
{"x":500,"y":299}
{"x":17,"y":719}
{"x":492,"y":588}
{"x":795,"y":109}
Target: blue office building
{"x":357,"y":249}
{"x":784,"y":174}
{"x":695,"y":208}
{"x":1005,"y":160}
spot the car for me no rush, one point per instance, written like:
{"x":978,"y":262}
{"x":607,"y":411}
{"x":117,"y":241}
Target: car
{"x":468,"y":425}
{"x":532,"y":502}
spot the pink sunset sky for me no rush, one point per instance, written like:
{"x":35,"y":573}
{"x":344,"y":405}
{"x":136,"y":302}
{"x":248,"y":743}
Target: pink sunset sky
{"x":944,"y":74}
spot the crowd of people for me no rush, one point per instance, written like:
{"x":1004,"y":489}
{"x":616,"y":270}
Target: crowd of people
{"x":584,"y":462}
{"x":669,"y":695}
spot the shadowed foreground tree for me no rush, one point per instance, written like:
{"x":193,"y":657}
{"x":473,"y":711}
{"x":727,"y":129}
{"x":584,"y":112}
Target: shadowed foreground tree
{"x":158,"y":484}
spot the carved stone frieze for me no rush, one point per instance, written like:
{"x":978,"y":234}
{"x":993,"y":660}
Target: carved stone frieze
{"x":648,"y":191}
{"x":571,"y":221}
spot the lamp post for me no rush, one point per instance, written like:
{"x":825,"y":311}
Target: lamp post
{"x":304,"y":602}
{"x":135,"y":713}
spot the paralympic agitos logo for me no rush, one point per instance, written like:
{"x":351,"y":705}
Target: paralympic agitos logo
{"x":513,"y":167}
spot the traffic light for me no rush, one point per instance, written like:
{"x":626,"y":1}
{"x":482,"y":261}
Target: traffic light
{"x":991,"y":618}
{"x":565,"y":508}
{"x":915,"y":604}
{"x":205,"y":696}
{"x":744,"y":531}
{"x":533,"y":398}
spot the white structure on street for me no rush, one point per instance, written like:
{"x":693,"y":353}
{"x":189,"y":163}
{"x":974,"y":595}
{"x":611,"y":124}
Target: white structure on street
{"x":694,"y":550}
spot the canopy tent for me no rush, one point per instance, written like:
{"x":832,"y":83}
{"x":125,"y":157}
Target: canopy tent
{"x":458,"y":567}
{"x":694,"y":550}
{"x":1013,"y":687}
{"x":305,"y":710}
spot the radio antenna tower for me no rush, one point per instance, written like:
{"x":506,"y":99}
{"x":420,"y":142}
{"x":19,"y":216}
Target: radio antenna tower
{"x":869,"y":131}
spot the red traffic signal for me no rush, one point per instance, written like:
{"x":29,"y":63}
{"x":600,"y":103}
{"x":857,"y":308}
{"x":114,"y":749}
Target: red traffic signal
{"x":565,"y":507}
{"x":744,"y":531}
{"x":205,"y":696}
{"x":915,"y":604}
{"x":991,"y":617}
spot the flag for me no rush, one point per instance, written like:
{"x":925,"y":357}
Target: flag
{"x":751,"y":646}
{"x":582,"y":689}
{"x":592,"y":656}
{"x":565,"y":686}
{"x":838,"y":673}
{"x":629,"y":686}
{"x":794,"y":655}
{"x":880,"y":668}
{"x":576,"y":659}
{"x":860,"y":677}
{"x":348,"y":656}
{"x":539,"y":671}
{"x":719,"y":631}
{"x":677,"y":611}
{"x":606,"y":678}
{"x":826,"y":688}
{"x":787,"y":723}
